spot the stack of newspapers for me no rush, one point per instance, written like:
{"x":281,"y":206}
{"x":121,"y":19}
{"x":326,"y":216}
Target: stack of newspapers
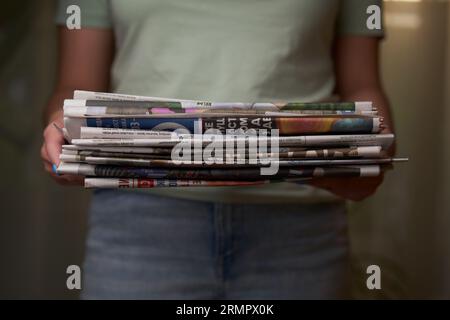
{"x":126,"y":141}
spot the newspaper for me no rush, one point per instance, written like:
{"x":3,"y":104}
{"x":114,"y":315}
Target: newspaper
{"x":116,"y":183}
{"x":114,"y":133}
{"x":297,"y":153}
{"x":383,"y":140}
{"x":246,"y":174}
{"x":88,"y":98}
{"x":195,"y":125}
{"x":127,"y":150}
{"x":169,"y":112}
{"x":140,"y":162}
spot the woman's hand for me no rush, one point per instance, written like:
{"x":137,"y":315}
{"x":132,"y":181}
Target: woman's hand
{"x":357,"y":79}
{"x":51,"y":149}
{"x":355,"y":189}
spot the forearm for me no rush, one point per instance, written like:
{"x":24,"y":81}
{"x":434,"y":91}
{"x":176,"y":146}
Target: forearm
{"x":84,"y":63}
{"x":54,"y":109}
{"x":357,"y":75}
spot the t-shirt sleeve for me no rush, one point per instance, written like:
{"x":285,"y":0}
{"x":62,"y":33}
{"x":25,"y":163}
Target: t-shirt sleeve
{"x":352,"y":18}
{"x":93,"y":13}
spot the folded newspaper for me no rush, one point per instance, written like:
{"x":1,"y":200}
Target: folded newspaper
{"x":127,"y":141}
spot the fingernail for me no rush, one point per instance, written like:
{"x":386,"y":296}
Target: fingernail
{"x":54,"y":168}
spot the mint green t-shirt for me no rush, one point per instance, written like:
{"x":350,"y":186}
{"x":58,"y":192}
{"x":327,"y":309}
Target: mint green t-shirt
{"x":227,"y":50}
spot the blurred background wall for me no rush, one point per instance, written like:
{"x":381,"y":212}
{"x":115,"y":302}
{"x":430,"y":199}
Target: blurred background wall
{"x":404,"y":228}
{"x":42,"y":225}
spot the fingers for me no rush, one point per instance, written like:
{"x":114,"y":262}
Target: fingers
{"x":354,"y":189}
{"x":50,"y":151}
{"x":53,"y":142}
{"x":70,"y":180}
{"x":48,"y":165}
{"x":45,"y":155}
{"x":50,"y":169}
{"x":391,"y":151}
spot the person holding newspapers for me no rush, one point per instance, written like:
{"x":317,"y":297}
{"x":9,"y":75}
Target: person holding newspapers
{"x":277,"y":241}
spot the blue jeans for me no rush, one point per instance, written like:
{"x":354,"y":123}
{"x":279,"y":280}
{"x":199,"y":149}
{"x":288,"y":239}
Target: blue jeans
{"x":144,"y":246}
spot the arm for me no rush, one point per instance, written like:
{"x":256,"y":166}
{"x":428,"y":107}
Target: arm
{"x":357,"y":79}
{"x":85,"y":58}
{"x":357,"y":73}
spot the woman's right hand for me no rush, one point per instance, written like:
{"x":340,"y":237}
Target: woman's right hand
{"x":51,"y":149}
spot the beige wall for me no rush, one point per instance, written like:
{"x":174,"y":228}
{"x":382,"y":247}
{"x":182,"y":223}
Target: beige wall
{"x":443,"y":221}
{"x":403,"y":228}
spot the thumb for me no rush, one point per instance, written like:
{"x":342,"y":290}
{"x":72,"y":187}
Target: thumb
{"x":53,"y":142}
